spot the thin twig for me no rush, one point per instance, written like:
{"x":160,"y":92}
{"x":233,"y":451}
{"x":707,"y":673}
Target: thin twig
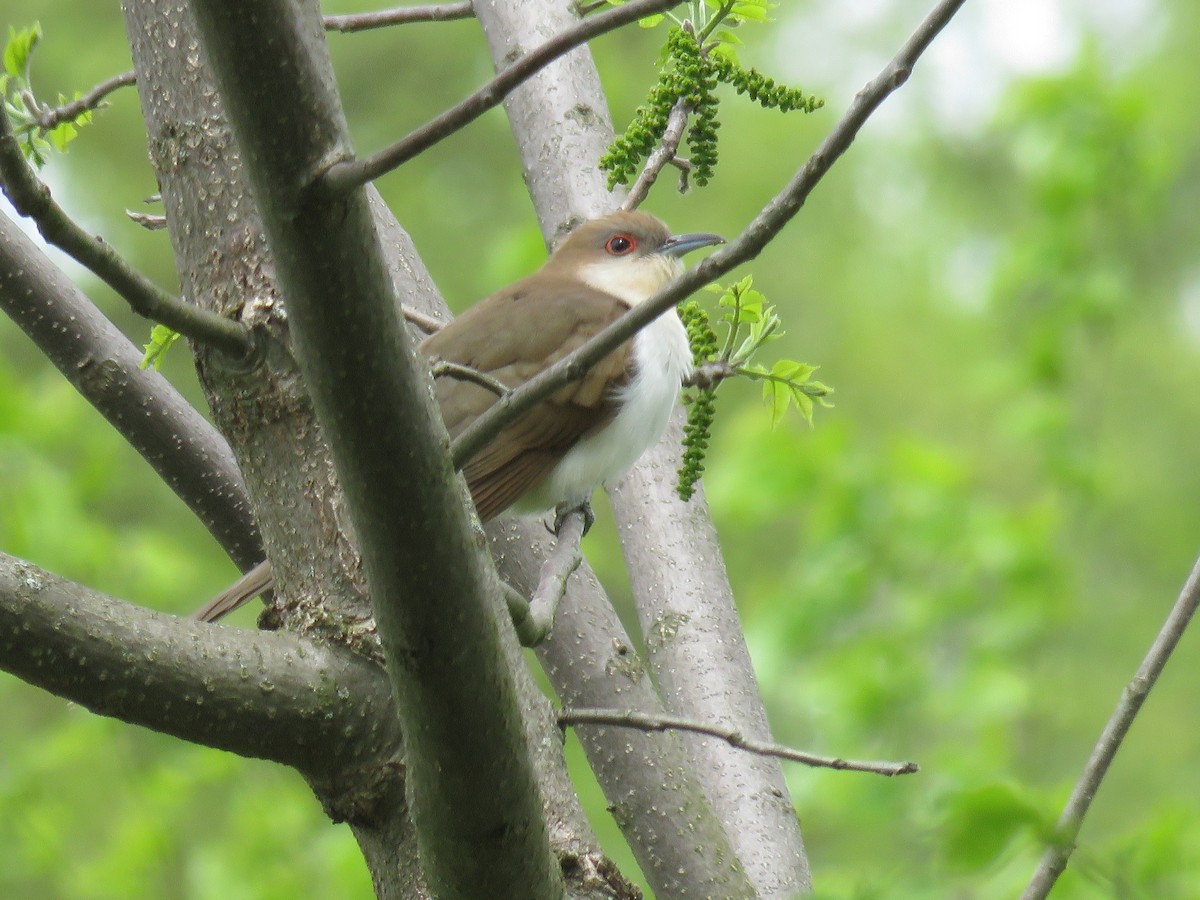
{"x":768,"y":223}
{"x":402,"y":15}
{"x":663,"y":154}
{"x":345,"y":176}
{"x":557,"y":568}
{"x":709,"y":375}
{"x":466,"y":373}
{"x":426,"y":323}
{"x":48,"y":117}
{"x":31,"y":198}
{"x":149,"y":221}
{"x":533,"y":619}
{"x":654,"y":722}
{"x":1054,"y":859}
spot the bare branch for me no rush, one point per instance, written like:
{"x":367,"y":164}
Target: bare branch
{"x":663,"y":155}
{"x":768,"y":223}
{"x":48,"y":117}
{"x":343,"y":176}
{"x":101,"y":363}
{"x":591,"y":661}
{"x":466,"y":373}
{"x":1062,"y":844}
{"x":149,"y":221}
{"x":534,"y":618}
{"x":31,"y":198}
{"x":401,"y":15}
{"x":270,"y":695}
{"x":709,"y":374}
{"x":629,"y":718}
{"x":426,"y":323}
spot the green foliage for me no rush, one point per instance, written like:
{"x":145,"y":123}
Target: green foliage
{"x":701,"y":403}
{"x":161,"y":339}
{"x":22,"y":107}
{"x":697,"y":57}
{"x":787,"y":382}
{"x":750,"y":323}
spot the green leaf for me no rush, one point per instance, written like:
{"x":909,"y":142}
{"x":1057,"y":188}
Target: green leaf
{"x":790,"y":370}
{"x":19,"y":49}
{"x":650,"y":21}
{"x":774,"y":393}
{"x":161,"y":339}
{"x":804,"y":404}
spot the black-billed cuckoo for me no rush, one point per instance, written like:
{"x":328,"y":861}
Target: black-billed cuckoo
{"x":594,"y":428}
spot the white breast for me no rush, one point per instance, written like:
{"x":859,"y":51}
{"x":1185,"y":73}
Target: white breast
{"x":662,"y":359}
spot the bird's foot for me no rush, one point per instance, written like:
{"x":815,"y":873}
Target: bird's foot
{"x":565,"y":509}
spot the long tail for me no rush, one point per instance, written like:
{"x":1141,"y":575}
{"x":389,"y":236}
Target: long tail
{"x":257,"y":581}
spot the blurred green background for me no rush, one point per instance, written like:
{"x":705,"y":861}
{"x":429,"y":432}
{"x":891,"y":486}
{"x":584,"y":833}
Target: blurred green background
{"x":961,"y":564}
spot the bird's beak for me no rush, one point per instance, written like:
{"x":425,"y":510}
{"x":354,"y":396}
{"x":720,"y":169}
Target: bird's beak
{"x":679,"y":244}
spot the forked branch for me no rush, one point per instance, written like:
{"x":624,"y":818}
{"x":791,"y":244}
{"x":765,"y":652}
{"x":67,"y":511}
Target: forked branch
{"x":628,"y":718}
{"x":345,"y":176}
{"x":31,"y":198}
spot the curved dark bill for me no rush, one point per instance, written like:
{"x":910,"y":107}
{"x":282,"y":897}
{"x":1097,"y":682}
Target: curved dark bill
{"x":679,"y":244}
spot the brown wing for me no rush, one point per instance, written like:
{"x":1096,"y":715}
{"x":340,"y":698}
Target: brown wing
{"x":512,"y":336}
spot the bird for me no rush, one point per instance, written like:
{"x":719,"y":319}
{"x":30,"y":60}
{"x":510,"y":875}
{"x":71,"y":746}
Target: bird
{"x":592,"y":430}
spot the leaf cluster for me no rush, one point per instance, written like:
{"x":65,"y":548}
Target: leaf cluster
{"x":696,"y":58}
{"x":36,"y":141}
{"x":750,"y":323}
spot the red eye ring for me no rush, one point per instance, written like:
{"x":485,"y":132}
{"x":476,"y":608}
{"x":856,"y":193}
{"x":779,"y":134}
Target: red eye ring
{"x":621,"y":244}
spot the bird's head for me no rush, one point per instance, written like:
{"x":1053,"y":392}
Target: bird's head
{"x":631,"y":255}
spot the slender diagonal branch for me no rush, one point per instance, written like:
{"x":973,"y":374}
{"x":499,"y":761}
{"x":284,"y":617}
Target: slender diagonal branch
{"x":401,"y":15}
{"x":631,"y":718}
{"x":663,"y":155}
{"x":757,"y":234}
{"x":466,"y":373}
{"x":48,"y":117}
{"x":343,"y":176}
{"x":103,"y":365}
{"x":1058,"y":852}
{"x":534,"y":618}
{"x":31,"y":198}
{"x":270,"y":695}
{"x":426,"y":323}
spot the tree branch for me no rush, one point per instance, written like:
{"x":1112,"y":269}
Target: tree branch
{"x":1062,"y":844}
{"x":48,"y":117}
{"x":663,"y":155}
{"x":401,"y":15}
{"x":269,"y":695}
{"x":92,"y":353}
{"x":629,"y":718}
{"x":432,"y":584}
{"x":534,"y":618}
{"x":466,"y":373}
{"x":32,"y":198}
{"x":653,"y":791}
{"x":343,"y":176}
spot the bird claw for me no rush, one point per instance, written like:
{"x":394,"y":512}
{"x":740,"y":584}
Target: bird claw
{"x":565,"y":509}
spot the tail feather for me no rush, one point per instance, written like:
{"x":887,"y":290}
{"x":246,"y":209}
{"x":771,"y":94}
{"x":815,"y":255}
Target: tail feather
{"x":257,"y":581}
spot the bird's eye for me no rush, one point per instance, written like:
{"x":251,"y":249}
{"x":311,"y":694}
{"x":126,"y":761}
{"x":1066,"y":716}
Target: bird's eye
{"x":621,"y":244}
